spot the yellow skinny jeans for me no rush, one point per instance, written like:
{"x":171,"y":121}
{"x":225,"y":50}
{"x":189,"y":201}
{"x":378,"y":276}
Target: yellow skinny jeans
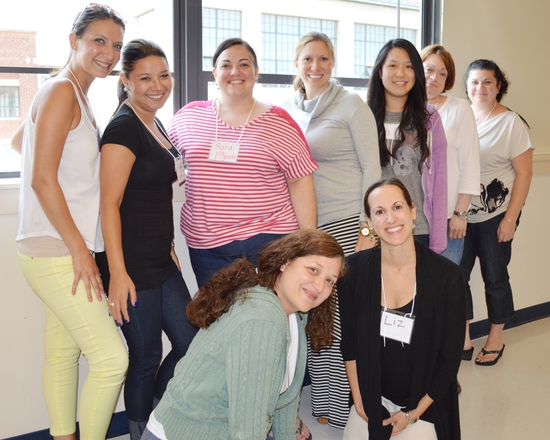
{"x":75,"y":325}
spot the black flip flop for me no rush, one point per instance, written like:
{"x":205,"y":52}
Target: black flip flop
{"x":494,"y":361}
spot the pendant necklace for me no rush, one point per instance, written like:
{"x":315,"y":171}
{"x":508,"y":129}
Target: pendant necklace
{"x":487,"y":117}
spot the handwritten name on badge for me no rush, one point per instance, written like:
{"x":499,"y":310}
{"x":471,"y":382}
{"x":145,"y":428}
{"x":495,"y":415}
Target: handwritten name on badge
{"x":223,"y":151}
{"x":396,"y":326}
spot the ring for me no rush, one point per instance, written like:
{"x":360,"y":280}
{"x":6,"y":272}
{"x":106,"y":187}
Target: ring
{"x":111,"y":304}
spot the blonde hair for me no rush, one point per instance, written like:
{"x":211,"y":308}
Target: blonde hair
{"x":309,"y":38}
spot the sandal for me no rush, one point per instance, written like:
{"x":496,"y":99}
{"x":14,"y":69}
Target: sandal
{"x":299,"y":430}
{"x":495,"y":360}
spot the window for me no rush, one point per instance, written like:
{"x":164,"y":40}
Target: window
{"x":279,"y":37}
{"x":32,"y":46}
{"x":217,"y":25}
{"x":9,"y":101}
{"x":369,"y":39}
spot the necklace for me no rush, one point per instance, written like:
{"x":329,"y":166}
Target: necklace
{"x":151,"y":131}
{"x":437,"y":102}
{"x":83,"y":94}
{"x":487,"y":117}
{"x":244,"y":126}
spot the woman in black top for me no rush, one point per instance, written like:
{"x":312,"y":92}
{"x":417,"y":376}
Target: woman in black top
{"x":401,"y":307}
{"x":147,"y":293}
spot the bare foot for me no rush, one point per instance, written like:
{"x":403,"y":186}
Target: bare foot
{"x":302,"y":431}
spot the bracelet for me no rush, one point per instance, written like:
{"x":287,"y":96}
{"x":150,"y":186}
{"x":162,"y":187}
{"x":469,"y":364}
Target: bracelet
{"x":409,"y":420}
{"x":508,"y":220}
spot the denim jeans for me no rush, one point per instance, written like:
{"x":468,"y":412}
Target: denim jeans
{"x":481,"y":241}
{"x":206,"y":262}
{"x":162,"y":308}
{"x":454,"y":248}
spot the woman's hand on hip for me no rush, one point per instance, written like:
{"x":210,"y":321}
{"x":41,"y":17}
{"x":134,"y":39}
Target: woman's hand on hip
{"x":85,"y":270}
{"x":120,"y":287}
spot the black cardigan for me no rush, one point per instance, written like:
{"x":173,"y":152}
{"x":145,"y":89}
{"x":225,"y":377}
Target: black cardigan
{"x":437,"y":339}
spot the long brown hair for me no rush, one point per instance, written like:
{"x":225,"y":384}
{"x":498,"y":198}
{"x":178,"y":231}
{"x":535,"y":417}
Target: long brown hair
{"x":230,"y":284}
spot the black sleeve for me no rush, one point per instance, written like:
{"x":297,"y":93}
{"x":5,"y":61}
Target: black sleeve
{"x":124,"y":130}
{"x":448,"y":361}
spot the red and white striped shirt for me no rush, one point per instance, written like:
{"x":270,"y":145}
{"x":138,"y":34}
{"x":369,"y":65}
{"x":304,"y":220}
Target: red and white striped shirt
{"x":227,"y":201}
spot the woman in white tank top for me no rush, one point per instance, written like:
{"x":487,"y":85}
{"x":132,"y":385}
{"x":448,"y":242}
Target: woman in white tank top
{"x":59,"y":230}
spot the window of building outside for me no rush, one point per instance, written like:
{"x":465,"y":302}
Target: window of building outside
{"x":9,"y":100}
{"x":217,"y":25}
{"x":34,"y":40}
{"x":32,"y":45}
{"x":368,"y":41}
{"x":358,"y":29}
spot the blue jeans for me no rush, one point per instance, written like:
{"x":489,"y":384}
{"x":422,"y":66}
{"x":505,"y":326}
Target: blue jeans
{"x":206,"y":262}
{"x":481,"y":241}
{"x":454,"y":248}
{"x":162,"y":308}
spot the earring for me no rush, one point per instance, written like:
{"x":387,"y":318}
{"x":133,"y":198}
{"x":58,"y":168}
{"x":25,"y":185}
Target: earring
{"x":125,"y":89}
{"x":282,"y":267}
{"x":414,"y":223}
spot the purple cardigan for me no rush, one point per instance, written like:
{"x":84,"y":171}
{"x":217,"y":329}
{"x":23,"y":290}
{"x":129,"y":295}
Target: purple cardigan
{"x":434,"y":183}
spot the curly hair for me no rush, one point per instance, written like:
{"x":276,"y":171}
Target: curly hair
{"x":231,"y":283}
{"x":415,"y":115}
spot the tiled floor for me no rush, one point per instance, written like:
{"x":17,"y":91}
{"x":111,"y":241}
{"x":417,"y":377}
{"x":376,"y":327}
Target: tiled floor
{"x":504,"y":402}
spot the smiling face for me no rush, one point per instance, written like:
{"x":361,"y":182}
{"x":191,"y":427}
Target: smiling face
{"x":97,"y":51}
{"x":305,"y":282}
{"x":314,"y":66}
{"x":149,"y":84}
{"x":482,"y":87}
{"x":390,"y":215}
{"x":436,"y":74}
{"x":235,"y":73}
{"x":397,"y":75}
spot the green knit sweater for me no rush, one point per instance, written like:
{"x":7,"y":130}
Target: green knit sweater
{"x":227,"y":386}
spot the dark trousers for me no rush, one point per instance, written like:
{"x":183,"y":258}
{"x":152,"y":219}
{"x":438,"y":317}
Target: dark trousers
{"x":481,"y":241}
{"x":206,"y":262}
{"x":162,"y":308}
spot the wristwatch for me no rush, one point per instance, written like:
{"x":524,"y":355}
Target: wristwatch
{"x":462,"y":215}
{"x":367,"y":232}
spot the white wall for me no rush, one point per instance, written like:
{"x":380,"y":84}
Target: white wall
{"x":512,"y":32}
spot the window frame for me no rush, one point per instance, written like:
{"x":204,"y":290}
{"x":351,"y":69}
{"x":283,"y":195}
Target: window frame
{"x":192,"y":84}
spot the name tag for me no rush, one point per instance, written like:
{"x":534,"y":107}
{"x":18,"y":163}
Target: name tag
{"x":396,"y":326}
{"x":223,"y":151}
{"x":181,"y":169}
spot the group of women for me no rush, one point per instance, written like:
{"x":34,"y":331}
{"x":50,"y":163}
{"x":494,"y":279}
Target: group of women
{"x":275,"y":201}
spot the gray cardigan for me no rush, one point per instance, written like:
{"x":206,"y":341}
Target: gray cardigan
{"x":343,"y":140}
{"x":228,"y":384}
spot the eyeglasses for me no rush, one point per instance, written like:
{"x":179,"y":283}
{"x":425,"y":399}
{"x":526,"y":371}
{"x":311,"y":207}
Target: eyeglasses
{"x":97,"y":6}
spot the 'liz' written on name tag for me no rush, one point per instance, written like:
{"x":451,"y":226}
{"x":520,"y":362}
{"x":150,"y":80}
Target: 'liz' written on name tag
{"x":396,"y":326}
{"x":223,"y":151}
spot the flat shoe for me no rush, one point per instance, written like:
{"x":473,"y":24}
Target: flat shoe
{"x":467,"y":354}
{"x":494,"y":361}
